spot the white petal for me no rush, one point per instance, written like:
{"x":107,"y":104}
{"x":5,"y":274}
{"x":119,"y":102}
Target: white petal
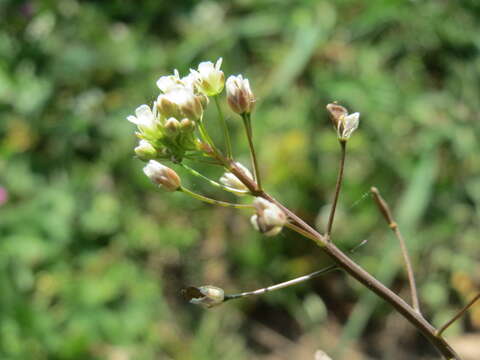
{"x":254,"y":222}
{"x":133,"y":119}
{"x":205,"y":67}
{"x":218,"y":64}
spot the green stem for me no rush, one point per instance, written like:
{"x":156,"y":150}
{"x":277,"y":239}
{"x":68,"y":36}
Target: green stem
{"x":212,"y":182}
{"x":248,"y":129}
{"x":205,"y":136}
{"x":223,"y":123}
{"x":213,"y":201}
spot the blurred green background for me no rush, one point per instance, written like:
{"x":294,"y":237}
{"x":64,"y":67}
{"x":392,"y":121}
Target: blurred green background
{"x":93,"y":257}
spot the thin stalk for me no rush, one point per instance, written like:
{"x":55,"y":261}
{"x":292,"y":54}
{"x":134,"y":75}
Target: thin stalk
{"x":213,"y":201}
{"x":247,"y":123}
{"x":338,"y":185}
{"x":457,"y":316}
{"x":205,"y":136}
{"x":299,"y":230}
{"x":283,"y":284}
{"x":212,"y":182}
{"x":387,"y":214}
{"x":223,"y":123}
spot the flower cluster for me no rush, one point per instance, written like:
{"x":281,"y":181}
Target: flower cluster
{"x":167,"y":129}
{"x":173,"y":129}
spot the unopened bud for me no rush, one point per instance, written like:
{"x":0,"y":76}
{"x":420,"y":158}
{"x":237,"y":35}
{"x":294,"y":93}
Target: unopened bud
{"x":179,"y":103}
{"x":233,"y":183}
{"x":167,"y":107}
{"x":239,"y":95}
{"x":187,"y":125}
{"x":162,"y":175}
{"x":344,"y":123}
{"x":269,"y":218}
{"x":172,"y":126}
{"x":145,"y":151}
{"x":208,"y":296}
{"x":336,"y":112}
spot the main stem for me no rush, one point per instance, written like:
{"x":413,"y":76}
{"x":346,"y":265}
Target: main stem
{"x":338,"y":186}
{"x":344,"y":262}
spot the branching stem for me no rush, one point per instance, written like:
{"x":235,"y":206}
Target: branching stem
{"x":348,"y":265}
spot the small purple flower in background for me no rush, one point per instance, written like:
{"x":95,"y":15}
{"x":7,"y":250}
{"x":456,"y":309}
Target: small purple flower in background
{"x":3,"y":196}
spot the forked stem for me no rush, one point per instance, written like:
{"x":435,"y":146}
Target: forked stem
{"x":387,"y":214}
{"x":348,"y":265}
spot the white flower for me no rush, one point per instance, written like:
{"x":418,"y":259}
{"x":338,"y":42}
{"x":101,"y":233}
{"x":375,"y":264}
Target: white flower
{"x":233,"y":183}
{"x":189,"y":81}
{"x":239,"y":95}
{"x":145,"y":119}
{"x":269,"y":218}
{"x":209,"y":78}
{"x":162,"y":175}
{"x":145,"y":150}
{"x":169,"y":82}
{"x":347,"y":125}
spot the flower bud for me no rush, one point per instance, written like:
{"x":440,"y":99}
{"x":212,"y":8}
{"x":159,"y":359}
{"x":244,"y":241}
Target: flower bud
{"x":187,"y":125}
{"x":180,"y":103}
{"x":233,"y":183}
{"x":336,"y":112}
{"x":209,"y":78}
{"x":168,"y":108}
{"x":344,"y":123}
{"x":145,"y":151}
{"x":239,"y":95}
{"x":269,"y":218}
{"x":172,"y":127}
{"x":208,"y":296}
{"x":162,"y":175}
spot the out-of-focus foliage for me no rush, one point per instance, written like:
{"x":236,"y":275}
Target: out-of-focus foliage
{"x":92,"y":257}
